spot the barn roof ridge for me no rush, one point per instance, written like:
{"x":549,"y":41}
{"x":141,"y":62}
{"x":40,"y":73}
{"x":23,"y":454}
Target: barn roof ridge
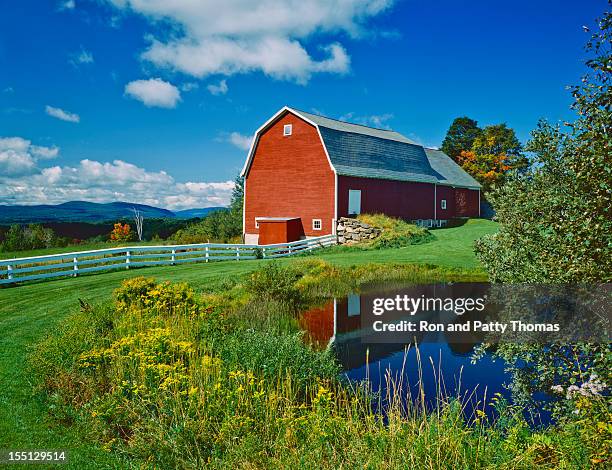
{"x":345,"y":126}
{"x":369,"y":152}
{"x":301,"y":111}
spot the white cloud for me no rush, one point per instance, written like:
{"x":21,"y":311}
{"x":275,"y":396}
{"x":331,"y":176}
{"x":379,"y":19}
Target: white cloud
{"x":189,"y":86}
{"x":61,"y":114}
{"x":243,"y":37}
{"x":19,"y":157}
{"x":243,"y":142}
{"x":218,"y":89}
{"x":81,"y":57}
{"x":24,"y":181}
{"x":44,"y":153}
{"x":374,"y":120}
{"x":66,"y":5}
{"x":154,"y":92}
{"x":111,"y":181}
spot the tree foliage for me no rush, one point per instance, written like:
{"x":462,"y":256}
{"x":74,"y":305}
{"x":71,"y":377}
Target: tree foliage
{"x":556,"y":227}
{"x":121,"y":233}
{"x":555,"y":221}
{"x":221,"y":226}
{"x":460,"y":136}
{"x":487,"y":154}
{"x":488,"y":169}
{"x":30,"y":237}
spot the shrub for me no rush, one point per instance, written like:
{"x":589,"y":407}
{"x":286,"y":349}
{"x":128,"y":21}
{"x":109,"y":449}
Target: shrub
{"x":141,"y":292}
{"x":395,"y":232}
{"x":555,"y":227}
{"x":160,"y":391}
{"x":30,"y":237}
{"x":275,"y":282}
{"x":121,"y":233}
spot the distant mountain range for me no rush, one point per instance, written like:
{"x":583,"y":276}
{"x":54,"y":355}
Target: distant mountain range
{"x":82,"y":211}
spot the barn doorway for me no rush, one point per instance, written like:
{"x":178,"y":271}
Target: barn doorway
{"x":354,"y":202}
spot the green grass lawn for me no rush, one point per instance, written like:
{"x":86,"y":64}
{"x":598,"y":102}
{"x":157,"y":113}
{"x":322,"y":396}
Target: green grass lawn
{"x":70,"y":249}
{"x":29,"y":311}
{"x":453,"y":247}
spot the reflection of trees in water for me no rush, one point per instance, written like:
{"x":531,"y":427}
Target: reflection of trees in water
{"x":582,"y":311}
{"x":539,"y":361}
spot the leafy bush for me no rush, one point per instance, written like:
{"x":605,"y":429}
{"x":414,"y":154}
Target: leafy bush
{"x":275,"y":282}
{"x":165,"y":394}
{"x":555,"y":227}
{"x":141,"y":292}
{"x":30,"y":237}
{"x":224,"y":226}
{"x":121,"y":233}
{"x":395,"y":232}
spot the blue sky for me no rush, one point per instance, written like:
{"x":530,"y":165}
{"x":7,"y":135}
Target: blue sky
{"x":153,"y":101}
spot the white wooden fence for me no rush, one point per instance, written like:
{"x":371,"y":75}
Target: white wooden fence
{"x":73,"y":264}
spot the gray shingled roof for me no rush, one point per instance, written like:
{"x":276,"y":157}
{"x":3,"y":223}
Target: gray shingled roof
{"x":452,"y":173}
{"x":337,"y":125}
{"x":367,"y":152}
{"x":364,"y":155}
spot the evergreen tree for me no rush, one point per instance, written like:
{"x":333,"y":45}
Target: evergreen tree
{"x":460,"y":136}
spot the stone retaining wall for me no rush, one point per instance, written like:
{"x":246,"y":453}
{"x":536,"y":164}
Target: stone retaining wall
{"x":354,"y":231}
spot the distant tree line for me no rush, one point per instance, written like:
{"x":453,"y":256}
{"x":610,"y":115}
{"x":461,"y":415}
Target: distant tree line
{"x":31,"y":237}
{"x":220,"y":226}
{"x":18,"y":237}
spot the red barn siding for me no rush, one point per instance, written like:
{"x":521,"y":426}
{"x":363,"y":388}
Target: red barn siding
{"x":290,"y":176}
{"x":467,"y":202}
{"x":280,"y":231}
{"x":402,"y":199}
{"x":448,"y":193}
{"x":318,"y":323}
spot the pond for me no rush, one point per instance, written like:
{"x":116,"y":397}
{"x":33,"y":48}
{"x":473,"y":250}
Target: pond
{"x":438,"y":363}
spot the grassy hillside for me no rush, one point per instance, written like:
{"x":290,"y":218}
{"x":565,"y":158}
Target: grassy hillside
{"x":71,"y":248}
{"x":27,"y":312}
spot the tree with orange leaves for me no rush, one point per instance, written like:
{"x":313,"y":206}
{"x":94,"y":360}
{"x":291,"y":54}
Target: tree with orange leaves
{"x":493,"y":152}
{"x":488,"y":169}
{"x":121,"y":233}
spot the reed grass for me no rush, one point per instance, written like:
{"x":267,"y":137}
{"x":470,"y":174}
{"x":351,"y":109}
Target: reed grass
{"x":167,"y":379}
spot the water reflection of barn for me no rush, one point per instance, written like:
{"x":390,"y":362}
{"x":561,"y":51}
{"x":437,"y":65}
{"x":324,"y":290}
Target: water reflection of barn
{"x":342,"y":325}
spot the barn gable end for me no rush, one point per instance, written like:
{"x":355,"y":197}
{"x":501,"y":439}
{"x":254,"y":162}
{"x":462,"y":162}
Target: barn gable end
{"x":316,"y":169}
{"x":289,"y":176}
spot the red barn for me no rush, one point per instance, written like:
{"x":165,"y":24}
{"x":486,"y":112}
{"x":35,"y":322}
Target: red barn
{"x":316,"y":169}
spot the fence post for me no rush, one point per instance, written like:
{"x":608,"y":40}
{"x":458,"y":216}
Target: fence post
{"x":173,"y":255}
{"x":9,"y":269}
{"x":237,"y":253}
{"x":75,"y":263}
{"x":263,"y":252}
{"x":127,"y":259}
{"x":207,"y":253}
{"x":289,"y":246}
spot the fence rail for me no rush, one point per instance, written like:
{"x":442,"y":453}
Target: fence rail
{"x":73,"y":264}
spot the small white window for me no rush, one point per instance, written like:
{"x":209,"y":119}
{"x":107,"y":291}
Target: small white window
{"x":287,"y":129}
{"x":256,"y":223}
{"x":316,"y":224}
{"x":443,"y":203}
